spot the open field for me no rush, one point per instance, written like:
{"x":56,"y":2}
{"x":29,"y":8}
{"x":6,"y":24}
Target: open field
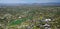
{"x":22,"y":17}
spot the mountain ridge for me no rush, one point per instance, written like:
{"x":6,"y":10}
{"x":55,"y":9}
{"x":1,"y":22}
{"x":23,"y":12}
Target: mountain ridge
{"x":25,"y":4}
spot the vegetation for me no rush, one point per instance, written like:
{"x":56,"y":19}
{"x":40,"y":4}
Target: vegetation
{"x":30,"y":17}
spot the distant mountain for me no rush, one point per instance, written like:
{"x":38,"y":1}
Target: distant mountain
{"x":47,"y":4}
{"x":32,"y":4}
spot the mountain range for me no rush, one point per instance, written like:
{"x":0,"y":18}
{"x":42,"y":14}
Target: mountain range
{"x":32,"y":4}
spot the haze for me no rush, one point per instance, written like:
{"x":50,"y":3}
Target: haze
{"x":28,"y":1}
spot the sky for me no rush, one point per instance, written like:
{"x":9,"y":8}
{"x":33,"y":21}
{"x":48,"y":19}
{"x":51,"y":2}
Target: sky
{"x":28,"y":1}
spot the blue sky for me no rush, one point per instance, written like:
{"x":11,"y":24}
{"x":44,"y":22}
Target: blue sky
{"x":28,"y":1}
